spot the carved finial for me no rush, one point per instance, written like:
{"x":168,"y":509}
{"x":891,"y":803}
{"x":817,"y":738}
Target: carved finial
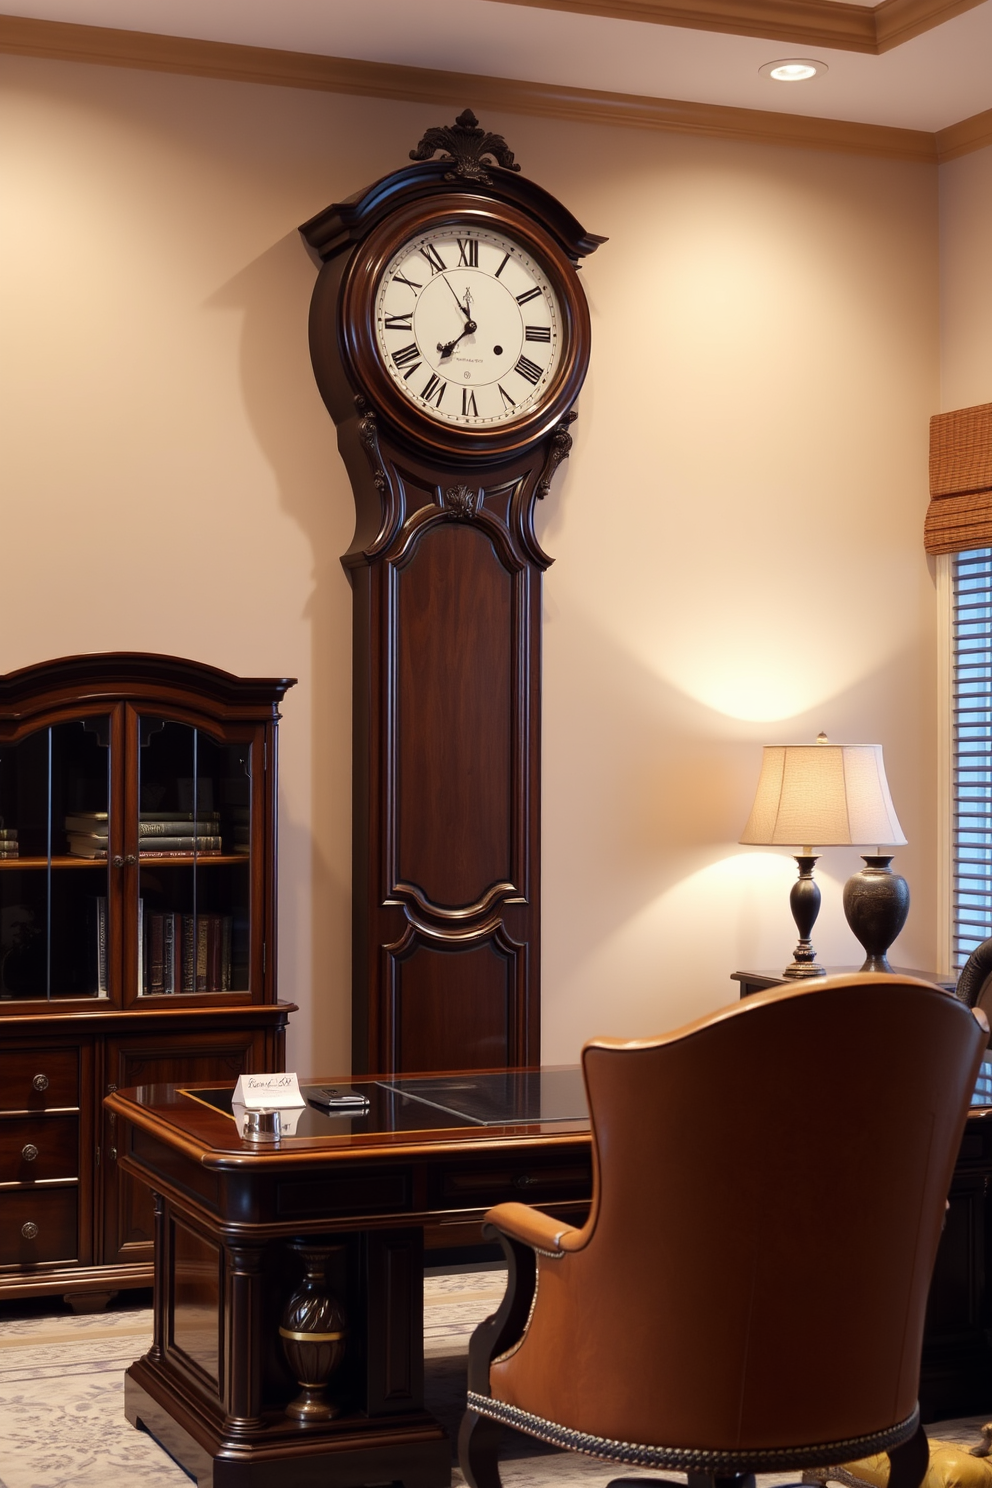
{"x":460,"y":502}
{"x":465,"y":143}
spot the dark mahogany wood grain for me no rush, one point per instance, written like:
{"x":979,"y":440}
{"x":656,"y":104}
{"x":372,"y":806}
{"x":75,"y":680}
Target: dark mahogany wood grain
{"x":97,"y":1232}
{"x":447,"y":576}
{"x":214,"y":1387}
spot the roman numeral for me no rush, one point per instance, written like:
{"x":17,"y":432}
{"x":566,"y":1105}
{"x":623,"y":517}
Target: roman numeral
{"x":506,"y":260}
{"x":434,"y":390}
{"x":410,"y":283}
{"x":399,"y":322}
{"x":468,"y":404}
{"x":468,"y":252}
{"x":434,"y":258}
{"x":529,"y":294}
{"x":508,"y":402}
{"x":537,"y":333}
{"x":528,"y":369}
{"x":406,"y":354}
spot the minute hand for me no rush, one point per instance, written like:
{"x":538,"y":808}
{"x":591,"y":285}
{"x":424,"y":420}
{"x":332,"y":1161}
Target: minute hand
{"x":462,"y":308}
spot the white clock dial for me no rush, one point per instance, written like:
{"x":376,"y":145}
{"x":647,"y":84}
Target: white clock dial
{"x":468,"y":326}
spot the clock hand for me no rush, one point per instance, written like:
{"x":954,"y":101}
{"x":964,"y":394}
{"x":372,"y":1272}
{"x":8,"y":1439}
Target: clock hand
{"x":449,"y":346}
{"x":468,"y":296}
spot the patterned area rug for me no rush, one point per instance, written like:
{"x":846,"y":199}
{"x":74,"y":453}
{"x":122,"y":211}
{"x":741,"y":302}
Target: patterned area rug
{"x":62,"y":1390}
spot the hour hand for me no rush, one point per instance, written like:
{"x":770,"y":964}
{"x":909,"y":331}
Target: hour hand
{"x":449,"y":346}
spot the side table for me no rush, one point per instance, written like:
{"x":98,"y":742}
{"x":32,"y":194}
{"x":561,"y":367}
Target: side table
{"x":760,"y":981}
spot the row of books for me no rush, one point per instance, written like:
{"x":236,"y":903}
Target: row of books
{"x":160,"y":834}
{"x":186,"y":953}
{"x":8,"y":841}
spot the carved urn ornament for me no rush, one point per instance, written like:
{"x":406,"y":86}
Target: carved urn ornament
{"x":312,"y":1333}
{"x":450,"y":337}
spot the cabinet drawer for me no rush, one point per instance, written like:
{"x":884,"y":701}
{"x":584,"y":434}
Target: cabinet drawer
{"x":38,"y":1079}
{"x":34,"y":1147}
{"x":38,"y":1225}
{"x":472,"y":1187}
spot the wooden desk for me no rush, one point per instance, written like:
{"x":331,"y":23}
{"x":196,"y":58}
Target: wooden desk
{"x":214,"y":1387}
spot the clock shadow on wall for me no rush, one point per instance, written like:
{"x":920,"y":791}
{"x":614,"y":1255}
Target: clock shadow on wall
{"x":271,"y":294}
{"x":449,"y":337}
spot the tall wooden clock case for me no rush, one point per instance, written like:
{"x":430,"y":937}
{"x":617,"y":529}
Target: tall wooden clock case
{"x":450,"y":337}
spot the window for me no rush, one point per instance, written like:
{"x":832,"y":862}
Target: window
{"x":971,"y":751}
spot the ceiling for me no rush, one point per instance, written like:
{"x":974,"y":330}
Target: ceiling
{"x":928,"y":82}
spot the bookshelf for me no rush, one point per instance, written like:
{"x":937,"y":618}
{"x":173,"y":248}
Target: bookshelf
{"x":137,"y":936}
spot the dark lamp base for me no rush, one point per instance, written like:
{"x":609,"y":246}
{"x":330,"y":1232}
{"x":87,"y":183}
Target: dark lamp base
{"x":804,"y":901}
{"x":876,"y":902}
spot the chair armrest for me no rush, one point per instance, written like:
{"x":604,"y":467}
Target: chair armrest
{"x":542,"y":1231}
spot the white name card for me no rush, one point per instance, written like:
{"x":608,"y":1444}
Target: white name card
{"x":267,"y":1092}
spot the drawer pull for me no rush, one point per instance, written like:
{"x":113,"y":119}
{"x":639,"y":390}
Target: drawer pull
{"x":29,"y":1152}
{"x":40,"y":1082}
{"x":29,"y":1230}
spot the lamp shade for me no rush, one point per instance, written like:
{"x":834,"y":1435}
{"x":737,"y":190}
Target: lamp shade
{"x":823,"y":794}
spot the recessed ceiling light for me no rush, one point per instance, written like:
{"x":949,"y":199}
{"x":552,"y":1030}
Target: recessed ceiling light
{"x":793,"y":69}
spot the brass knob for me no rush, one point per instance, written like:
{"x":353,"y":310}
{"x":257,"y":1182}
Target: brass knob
{"x":118,"y":861}
{"x":130,"y":860}
{"x":29,"y":1230}
{"x":29,"y":1152}
{"x":40,"y":1082}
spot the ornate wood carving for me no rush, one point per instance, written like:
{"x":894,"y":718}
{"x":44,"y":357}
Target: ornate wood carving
{"x":447,"y":574}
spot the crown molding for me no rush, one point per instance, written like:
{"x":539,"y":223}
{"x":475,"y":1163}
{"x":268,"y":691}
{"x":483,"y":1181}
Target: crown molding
{"x":63,"y":41}
{"x":824,"y":23}
{"x":961,"y":139}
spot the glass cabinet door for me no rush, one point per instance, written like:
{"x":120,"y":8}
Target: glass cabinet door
{"x":55,"y":846}
{"x":194,"y":856}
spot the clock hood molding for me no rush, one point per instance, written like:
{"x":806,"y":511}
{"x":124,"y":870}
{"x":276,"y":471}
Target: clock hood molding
{"x":343,"y":224}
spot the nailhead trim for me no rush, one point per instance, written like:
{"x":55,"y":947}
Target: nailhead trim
{"x":754,"y":1459}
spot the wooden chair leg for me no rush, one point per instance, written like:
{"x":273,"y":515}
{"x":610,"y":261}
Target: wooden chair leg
{"x":909,"y":1463}
{"x":478,"y":1450}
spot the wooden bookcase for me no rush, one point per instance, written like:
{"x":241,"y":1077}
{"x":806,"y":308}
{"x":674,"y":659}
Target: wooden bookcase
{"x":137,"y":936}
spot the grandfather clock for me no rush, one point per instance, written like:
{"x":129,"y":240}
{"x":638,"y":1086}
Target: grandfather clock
{"x":449,"y":337}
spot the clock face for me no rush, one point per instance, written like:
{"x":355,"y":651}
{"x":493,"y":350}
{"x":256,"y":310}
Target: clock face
{"x":468,"y":326}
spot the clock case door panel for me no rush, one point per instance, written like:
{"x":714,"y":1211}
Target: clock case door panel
{"x":447,"y":577}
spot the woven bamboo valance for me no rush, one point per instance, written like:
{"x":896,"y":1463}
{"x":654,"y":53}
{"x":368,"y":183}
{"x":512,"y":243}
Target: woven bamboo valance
{"x":960,"y":512}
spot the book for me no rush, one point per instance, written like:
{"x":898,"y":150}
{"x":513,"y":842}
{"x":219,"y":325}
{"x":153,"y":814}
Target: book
{"x":154,"y":981}
{"x":88,"y":847}
{"x":8,"y":834}
{"x":186,"y":854}
{"x":188,"y":979}
{"x":99,"y":917}
{"x":179,"y":847}
{"x":169,"y":948}
{"x":180,"y":844}
{"x":160,"y":827}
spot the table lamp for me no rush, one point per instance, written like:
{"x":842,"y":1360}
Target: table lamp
{"x":833,"y":795}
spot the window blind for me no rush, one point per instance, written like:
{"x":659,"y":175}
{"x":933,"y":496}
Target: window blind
{"x":972,"y":750}
{"x":960,"y":513}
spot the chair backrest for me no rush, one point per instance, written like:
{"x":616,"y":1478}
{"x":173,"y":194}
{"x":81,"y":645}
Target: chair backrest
{"x":771,"y":1186}
{"x":975,"y":980}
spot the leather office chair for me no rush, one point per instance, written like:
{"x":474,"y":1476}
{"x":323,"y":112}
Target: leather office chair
{"x":749,"y":1289}
{"x":975,"y":980}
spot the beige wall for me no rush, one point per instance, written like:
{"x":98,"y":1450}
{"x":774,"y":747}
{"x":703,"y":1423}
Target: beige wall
{"x":737,"y":534}
{"x":966,"y":280}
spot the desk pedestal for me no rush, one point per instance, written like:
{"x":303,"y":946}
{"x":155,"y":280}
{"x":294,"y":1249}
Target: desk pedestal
{"x":214,"y":1387}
